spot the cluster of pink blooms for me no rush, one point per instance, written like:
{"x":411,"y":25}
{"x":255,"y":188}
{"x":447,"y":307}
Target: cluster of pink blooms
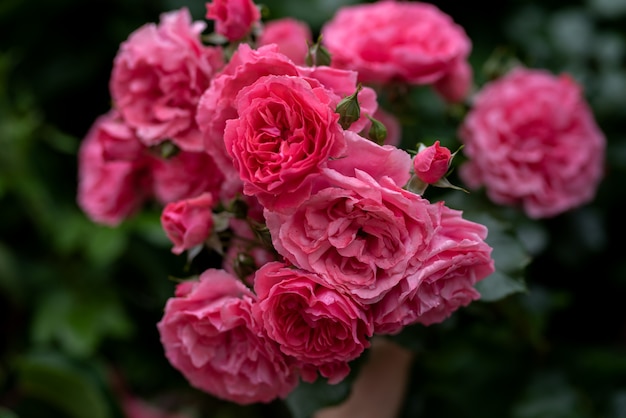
{"x":328,"y":246}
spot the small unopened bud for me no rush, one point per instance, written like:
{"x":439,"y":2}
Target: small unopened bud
{"x":349,"y":109}
{"x":244,"y":265}
{"x":377,"y":132}
{"x":317,"y":54}
{"x":166,"y":149}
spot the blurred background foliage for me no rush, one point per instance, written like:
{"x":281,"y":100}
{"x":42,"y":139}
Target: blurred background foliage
{"x":79,"y":302}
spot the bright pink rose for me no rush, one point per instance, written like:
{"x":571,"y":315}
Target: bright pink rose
{"x":109,"y":191}
{"x":291,"y":35}
{"x":443,"y":277}
{"x":358,"y":235}
{"x":210,"y":336}
{"x":286,"y":131}
{"x":158,"y":76}
{"x":185,"y":175}
{"x":431,"y":163}
{"x":247,"y":65}
{"x":457,"y":83}
{"x":188,"y":222}
{"x":234,"y":19}
{"x":217,"y":103}
{"x":385,"y":41}
{"x":531,"y":140}
{"x":318,"y":325}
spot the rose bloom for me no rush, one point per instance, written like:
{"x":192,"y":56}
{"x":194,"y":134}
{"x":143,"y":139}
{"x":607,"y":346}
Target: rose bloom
{"x":218,"y":103}
{"x":185,"y":175}
{"x":442,"y":279}
{"x":234,"y":19}
{"x":532,"y":141}
{"x":320,"y":326}
{"x":188,"y":222}
{"x":158,"y":76}
{"x":118,"y":140}
{"x":291,"y":35}
{"x":286,"y":131}
{"x":109,"y":191}
{"x":387,"y":41}
{"x":210,"y":335}
{"x":359,"y":235}
{"x":431,"y":163}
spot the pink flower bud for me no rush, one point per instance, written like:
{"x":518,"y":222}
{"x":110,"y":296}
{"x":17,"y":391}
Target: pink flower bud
{"x":188,"y":223}
{"x":432,"y":163}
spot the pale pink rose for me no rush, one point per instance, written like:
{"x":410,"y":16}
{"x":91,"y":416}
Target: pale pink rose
{"x":285,"y":133}
{"x":358,"y":235}
{"x":233,"y":19}
{"x":217,"y":103}
{"x":291,"y":35}
{"x":389,"y":41}
{"x":456,"y":84}
{"x":158,"y":76}
{"x":442,"y":279}
{"x":185,"y":175}
{"x":317,"y":324}
{"x":431,"y":164}
{"x":188,"y":222}
{"x":210,"y":335}
{"x":532,"y":141}
{"x":109,"y":191}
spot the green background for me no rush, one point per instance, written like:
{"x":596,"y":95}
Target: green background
{"x":79,"y":302}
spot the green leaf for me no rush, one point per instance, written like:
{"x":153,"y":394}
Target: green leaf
{"x":51,"y":378}
{"x":498,"y":286}
{"x":79,"y":321}
{"x":308,"y":398}
{"x":5,"y":413}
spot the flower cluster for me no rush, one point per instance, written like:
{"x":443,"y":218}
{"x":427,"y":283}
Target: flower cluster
{"x":275,"y":152}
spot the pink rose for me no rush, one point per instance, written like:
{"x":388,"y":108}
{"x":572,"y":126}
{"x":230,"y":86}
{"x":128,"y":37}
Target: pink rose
{"x":210,"y":335}
{"x":286,"y":131}
{"x":431,"y":163}
{"x":291,"y":35}
{"x":385,"y":41}
{"x":443,"y":277}
{"x":375,"y":160}
{"x":456,"y":84}
{"x":158,"y":76}
{"x":234,"y":19}
{"x":118,"y":140}
{"x":217,"y":103}
{"x":531,"y":140}
{"x":315,"y":323}
{"x":358,"y":235}
{"x":185,"y":175}
{"x":188,"y":223}
{"x":109,"y":191}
